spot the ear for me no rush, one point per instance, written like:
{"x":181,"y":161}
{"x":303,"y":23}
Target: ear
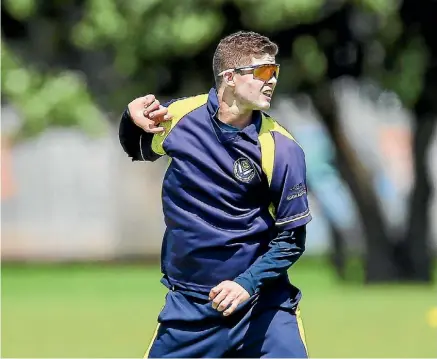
{"x":228,"y":78}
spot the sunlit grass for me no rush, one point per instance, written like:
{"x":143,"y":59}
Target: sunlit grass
{"x":110,"y":311}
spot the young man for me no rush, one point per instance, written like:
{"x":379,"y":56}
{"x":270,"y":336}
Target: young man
{"x":235,"y":206}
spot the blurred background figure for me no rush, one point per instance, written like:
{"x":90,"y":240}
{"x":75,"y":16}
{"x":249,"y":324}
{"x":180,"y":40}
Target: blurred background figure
{"x":358,"y":90}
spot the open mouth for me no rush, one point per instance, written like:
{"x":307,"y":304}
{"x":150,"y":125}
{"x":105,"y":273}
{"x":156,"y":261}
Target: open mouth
{"x":268,"y":93}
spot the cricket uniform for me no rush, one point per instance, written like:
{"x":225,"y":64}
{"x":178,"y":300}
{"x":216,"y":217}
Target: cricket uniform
{"x":235,"y":208}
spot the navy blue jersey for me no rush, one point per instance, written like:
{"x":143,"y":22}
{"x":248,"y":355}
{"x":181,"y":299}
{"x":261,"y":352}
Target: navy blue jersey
{"x":226,"y":194}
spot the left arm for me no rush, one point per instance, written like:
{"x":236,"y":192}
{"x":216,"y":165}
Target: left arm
{"x":283,"y":252}
{"x":289,"y":198}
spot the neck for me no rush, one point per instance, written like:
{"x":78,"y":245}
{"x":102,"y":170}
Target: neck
{"x":231,"y":112}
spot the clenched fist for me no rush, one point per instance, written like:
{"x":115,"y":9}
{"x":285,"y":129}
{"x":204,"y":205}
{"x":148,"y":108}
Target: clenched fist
{"x":227,"y":296}
{"x":146,"y":112}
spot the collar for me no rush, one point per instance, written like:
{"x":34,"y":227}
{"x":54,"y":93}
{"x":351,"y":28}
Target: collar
{"x":213,"y":103}
{"x":251,"y":130}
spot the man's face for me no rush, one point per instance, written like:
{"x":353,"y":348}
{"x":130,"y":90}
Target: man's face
{"x":254,"y":93}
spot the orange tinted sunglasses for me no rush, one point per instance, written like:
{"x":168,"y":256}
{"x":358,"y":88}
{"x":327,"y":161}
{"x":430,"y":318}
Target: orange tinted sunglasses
{"x":263,"y":72}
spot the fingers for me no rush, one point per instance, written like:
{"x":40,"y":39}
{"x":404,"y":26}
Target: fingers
{"x":167,"y":117}
{"x":233,"y":306}
{"x":222,"y":298}
{"x":226,"y":302}
{"x":148,"y":100}
{"x":219,"y":298}
{"x":214,"y":291}
{"x":147,"y":113}
{"x":155,"y":129}
{"x":150,"y":107}
{"x":227,"y":296}
{"x":159,"y":115}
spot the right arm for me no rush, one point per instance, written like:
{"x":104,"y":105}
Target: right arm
{"x":139,"y":123}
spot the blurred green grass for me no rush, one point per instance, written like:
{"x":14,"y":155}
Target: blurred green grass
{"x":110,"y":311}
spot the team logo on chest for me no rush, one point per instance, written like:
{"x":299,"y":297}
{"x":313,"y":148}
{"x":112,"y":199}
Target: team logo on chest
{"x":243,"y":170}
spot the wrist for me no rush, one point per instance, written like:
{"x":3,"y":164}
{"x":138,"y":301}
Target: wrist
{"x":246,"y":284}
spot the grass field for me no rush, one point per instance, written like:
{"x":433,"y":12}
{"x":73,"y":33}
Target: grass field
{"x":110,"y":311}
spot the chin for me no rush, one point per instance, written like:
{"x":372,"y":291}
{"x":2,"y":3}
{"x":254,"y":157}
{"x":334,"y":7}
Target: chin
{"x":259,"y":105}
{"x":263,"y":106}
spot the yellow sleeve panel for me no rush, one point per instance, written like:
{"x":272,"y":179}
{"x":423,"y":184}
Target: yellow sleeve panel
{"x":268,"y":125}
{"x":178,"y":109}
{"x":267,"y":143}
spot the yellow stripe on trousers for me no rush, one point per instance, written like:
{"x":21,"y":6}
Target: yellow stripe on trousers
{"x":301,"y":329}
{"x":146,"y":355}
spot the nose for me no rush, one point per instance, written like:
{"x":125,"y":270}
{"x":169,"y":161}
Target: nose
{"x":273,"y":80}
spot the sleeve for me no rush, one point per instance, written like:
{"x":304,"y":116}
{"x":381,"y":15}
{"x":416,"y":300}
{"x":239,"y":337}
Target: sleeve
{"x":288,"y":184}
{"x":283,"y":252}
{"x":135,"y":141}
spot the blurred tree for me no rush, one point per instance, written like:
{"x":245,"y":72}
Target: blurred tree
{"x":348,"y":38}
{"x":115,"y":50}
{"x":414,"y":252}
{"x":343,"y":54}
{"x":407,"y":37}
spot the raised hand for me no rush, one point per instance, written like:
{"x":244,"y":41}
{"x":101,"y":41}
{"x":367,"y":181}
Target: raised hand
{"x":147,"y":112}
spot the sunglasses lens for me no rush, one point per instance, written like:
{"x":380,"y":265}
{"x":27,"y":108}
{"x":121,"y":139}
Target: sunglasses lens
{"x":265,"y":73}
